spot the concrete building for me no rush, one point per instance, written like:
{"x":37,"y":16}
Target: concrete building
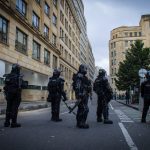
{"x":120,"y":40}
{"x":40,"y":35}
{"x":90,"y":62}
{"x":86,"y":54}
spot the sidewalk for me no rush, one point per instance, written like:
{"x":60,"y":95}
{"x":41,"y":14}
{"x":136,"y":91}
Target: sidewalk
{"x":134,"y":106}
{"x":27,"y":106}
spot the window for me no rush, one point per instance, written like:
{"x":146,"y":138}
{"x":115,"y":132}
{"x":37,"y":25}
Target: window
{"x":62,"y":3}
{"x":126,"y":34}
{"x":55,"y":3}
{"x":3,"y":30}
{"x":46,"y":9}
{"x":111,"y":54}
{"x":54,"y":39}
{"x":130,"y":34}
{"x":21,"y":41}
{"x":54,"y":20}
{"x":46,"y":57}
{"x":114,"y":44}
{"x":54,"y":61}
{"x":66,"y":24}
{"x":36,"y":50}
{"x":46,"y":31}
{"x":69,"y":30}
{"x":38,"y":1}
{"x":66,"y":8}
{"x":35,"y":20}
{"x":135,"y":33}
{"x":21,"y":6}
{"x":126,"y":43}
{"x":140,"y":34}
{"x":112,"y":71}
{"x":112,"y":62}
{"x":61,"y":17}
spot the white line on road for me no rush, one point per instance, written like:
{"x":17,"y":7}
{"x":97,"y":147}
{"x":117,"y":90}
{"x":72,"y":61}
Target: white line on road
{"x":111,"y":107}
{"x":64,"y":113}
{"x":122,"y":116}
{"x":128,"y":137}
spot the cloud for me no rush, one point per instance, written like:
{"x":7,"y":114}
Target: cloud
{"x":104,"y":15}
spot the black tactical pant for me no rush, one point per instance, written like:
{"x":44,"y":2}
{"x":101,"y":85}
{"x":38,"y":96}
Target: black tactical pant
{"x":55,"y":106}
{"x":145,"y":108}
{"x":82,"y":111}
{"x":102,"y":108}
{"x":13,"y":102}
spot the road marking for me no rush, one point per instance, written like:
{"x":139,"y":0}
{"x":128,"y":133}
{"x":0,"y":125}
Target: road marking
{"x":111,"y":107}
{"x":122,"y":116}
{"x":64,"y":113}
{"x":127,"y":137}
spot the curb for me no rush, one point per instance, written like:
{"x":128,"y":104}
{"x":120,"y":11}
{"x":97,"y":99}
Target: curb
{"x":128,"y":105}
{"x":30,"y":108}
{"x":27,"y":108}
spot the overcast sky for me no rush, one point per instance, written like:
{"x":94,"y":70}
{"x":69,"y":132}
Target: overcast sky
{"x":104,"y":15}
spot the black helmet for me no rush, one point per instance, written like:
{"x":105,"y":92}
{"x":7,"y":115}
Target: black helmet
{"x":102,"y":72}
{"x":56,"y":72}
{"x":83,"y":69}
{"x":148,"y":75}
{"x":16,"y":68}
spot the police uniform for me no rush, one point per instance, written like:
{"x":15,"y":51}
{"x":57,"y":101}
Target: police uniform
{"x":13,"y":85}
{"x":145,"y":94}
{"x":82,"y":88}
{"x":56,"y":91}
{"x":104,"y":93}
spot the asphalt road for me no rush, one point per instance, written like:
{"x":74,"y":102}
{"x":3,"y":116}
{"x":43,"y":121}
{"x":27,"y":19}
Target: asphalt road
{"x":39,"y":133}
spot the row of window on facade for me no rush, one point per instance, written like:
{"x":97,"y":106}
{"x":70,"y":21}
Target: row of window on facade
{"x":129,"y":42}
{"x":113,"y":62}
{"x":64,"y":37}
{"x":113,"y":45}
{"x":113,"y":71}
{"x":69,"y":15}
{"x":113,"y":53}
{"x":21,"y":6}
{"x":129,"y":34}
{"x":4,"y":32}
{"x":66,"y":73}
{"x":21,"y":43}
{"x":68,"y":57}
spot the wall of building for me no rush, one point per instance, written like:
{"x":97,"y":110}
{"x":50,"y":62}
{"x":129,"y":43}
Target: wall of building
{"x":120,"y":40}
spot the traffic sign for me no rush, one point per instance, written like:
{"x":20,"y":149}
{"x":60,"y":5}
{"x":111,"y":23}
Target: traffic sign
{"x":142,"y":72}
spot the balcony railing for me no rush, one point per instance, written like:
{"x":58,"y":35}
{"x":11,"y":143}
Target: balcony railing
{"x":21,"y":47}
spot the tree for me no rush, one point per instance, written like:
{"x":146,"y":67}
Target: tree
{"x":136,"y":57}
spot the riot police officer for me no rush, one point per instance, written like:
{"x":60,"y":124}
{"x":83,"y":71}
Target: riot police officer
{"x":13,"y":87}
{"x":56,"y":92}
{"x":104,"y":92}
{"x":145,"y":94}
{"x":82,"y":87}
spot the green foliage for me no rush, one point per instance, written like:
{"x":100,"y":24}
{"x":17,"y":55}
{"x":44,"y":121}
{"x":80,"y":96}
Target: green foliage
{"x":136,"y":57}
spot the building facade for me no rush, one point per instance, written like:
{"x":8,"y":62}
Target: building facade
{"x":40,"y":35}
{"x":120,"y":40}
{"x":90,"y":62}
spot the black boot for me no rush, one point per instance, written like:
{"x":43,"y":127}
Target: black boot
{"x":107,"y":121}
{"x":56,"y":119}
{"x":143,"y":120}
{"x":6,"y":123}
{"x":99,"y":119}
{"x":83,"y":125}
{"x":7,"y":120}
{"x":15,"y":125}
